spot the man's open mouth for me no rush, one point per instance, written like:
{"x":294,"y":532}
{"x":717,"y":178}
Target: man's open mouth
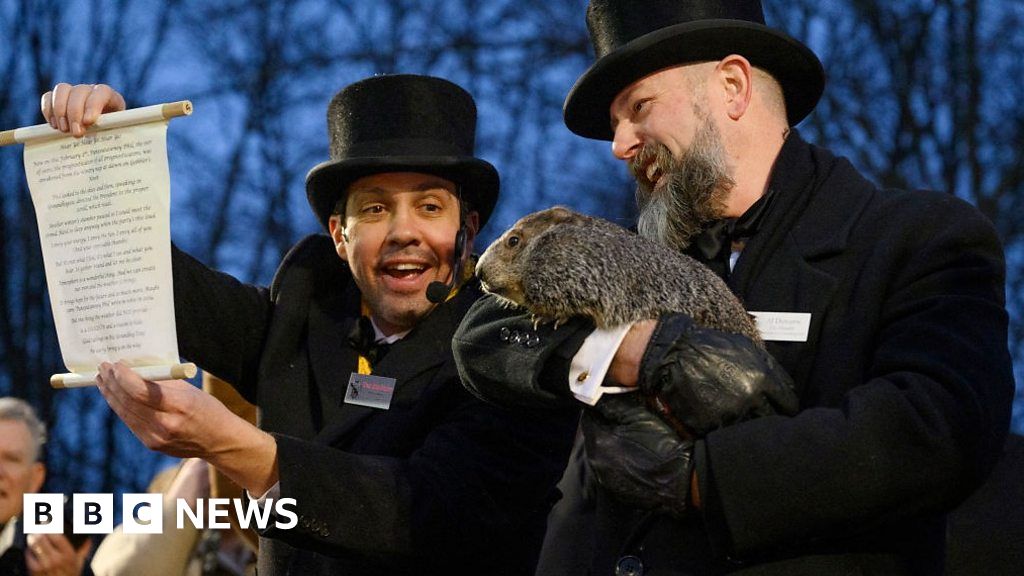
{"x":653,"y":174}
{"x":404,"y":270}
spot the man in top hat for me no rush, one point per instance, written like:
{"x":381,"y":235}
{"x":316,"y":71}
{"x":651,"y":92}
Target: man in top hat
{"x":886,"y":307}
{"x":394,"y":467}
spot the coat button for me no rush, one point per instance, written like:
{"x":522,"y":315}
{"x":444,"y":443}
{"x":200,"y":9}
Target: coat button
{"x":629,"y":566}
{"x":531,"y":341}
{"x":304,"y":521}
{"x":504,"y":334}
{"x":734,"y":561}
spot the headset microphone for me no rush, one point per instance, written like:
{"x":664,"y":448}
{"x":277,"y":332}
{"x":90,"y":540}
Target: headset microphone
{"x":438,"y":291}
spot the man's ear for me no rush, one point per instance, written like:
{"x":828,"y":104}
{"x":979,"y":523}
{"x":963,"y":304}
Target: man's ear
{"x":472,"y":226}
{"x":338,"y":234}
{"x":38,"y":476}
{"x":736,"y":76}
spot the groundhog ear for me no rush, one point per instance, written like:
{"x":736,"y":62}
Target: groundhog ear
{"x":560,"y":214}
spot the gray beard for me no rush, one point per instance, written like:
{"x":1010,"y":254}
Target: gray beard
{"x":695,"y":188}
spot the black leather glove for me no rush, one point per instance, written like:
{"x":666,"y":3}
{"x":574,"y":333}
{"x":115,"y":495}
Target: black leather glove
{"x":636,"y":456}
{"x":699,"y":379}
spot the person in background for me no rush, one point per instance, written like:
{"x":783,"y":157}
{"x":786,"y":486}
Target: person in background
{"x":22,"y":436}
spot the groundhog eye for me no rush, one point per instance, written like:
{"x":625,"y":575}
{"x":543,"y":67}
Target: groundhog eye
{"x":512,"y":241}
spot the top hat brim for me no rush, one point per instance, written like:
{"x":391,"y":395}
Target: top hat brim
{"x":477,"y":179}
{"x":792,"y":64}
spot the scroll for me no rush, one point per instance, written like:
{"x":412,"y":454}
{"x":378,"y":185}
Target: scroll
{"x":102,"y":204}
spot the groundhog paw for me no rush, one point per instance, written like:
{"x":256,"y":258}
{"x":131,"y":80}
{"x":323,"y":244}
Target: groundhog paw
{"x":538,"y":320}
{"x":560,"y":320}
{"x":506,"y":303}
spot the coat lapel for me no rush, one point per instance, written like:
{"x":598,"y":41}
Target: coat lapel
{"x":784,"y":267}
{"x":308,"y":272}
{"x":331,"y":357}
{"x":426,"y":347}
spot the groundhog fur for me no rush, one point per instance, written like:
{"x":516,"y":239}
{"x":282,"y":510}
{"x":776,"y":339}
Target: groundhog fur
{"x":558,"y":264}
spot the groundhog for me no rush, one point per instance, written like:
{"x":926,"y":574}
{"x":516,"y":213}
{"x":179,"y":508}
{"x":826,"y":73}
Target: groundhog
{"x":558,"y":264}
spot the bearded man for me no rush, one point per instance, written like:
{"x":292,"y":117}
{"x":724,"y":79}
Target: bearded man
{"x":886,"y":307}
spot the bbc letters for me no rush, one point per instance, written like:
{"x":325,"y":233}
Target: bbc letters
{"x":144,"y":513}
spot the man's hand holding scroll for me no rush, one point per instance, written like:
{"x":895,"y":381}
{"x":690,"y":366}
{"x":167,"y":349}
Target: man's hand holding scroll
{"x":72,"y":109}
{"x":176,"y":418}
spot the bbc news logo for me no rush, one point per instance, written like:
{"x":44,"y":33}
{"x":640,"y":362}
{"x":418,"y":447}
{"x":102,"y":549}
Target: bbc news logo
{"x":144,"y":513}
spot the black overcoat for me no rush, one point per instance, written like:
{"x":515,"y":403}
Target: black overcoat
{"x":440,"y":483}
{"x":905,"y":385}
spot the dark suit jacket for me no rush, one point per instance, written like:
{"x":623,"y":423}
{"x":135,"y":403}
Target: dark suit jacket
{"x":12,"y":559}
{"x":905,"y":385}
{"x":986,"y":533}
{"x":439,"y":483}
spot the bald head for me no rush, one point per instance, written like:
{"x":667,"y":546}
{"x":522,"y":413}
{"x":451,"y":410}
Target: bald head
{"x":670,"y":108}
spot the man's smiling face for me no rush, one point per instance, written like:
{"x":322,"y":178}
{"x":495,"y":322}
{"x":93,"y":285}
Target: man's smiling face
{"x":665,"y":133}
{"x":397,"y":235}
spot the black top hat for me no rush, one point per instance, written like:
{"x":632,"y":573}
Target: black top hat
{"x":402,"y":123}
{"x":634,"y":39}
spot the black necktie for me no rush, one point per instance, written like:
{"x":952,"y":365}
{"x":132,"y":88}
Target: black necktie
{"x":363,"y":338}
{"x":713,"y":246}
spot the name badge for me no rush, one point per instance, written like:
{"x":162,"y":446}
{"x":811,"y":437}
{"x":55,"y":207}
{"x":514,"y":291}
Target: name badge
{"x":369,"y":390}
{"x":783,"y":326}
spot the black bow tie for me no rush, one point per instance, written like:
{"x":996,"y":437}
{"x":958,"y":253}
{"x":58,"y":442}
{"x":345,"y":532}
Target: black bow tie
{"x":363,"y":339}
{"x":713,"y":246}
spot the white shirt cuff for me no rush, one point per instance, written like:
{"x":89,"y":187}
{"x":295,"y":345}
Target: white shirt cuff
{"x":274,"y":494}
{"x":590,"y":365}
